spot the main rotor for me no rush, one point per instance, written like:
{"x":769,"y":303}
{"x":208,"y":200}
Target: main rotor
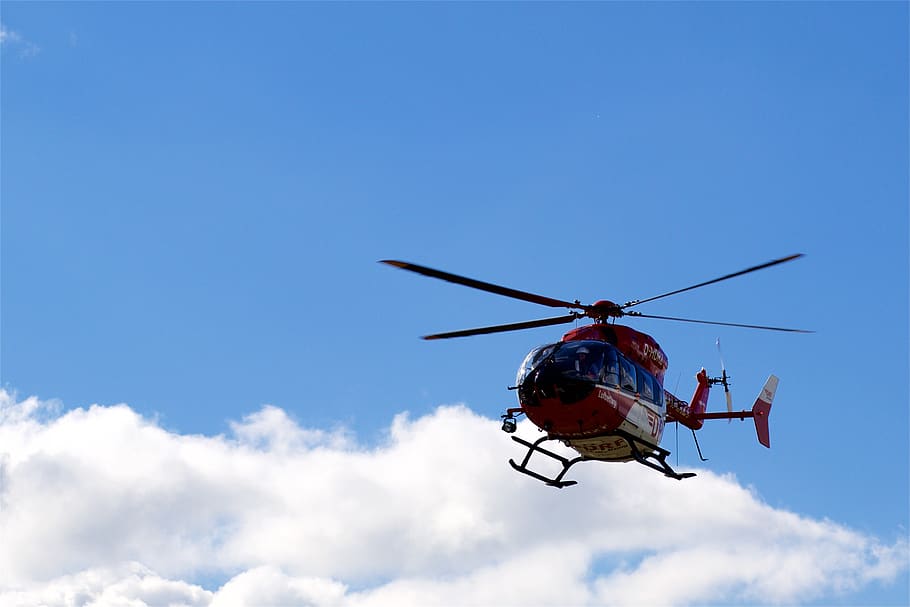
{"x":601,"y":311}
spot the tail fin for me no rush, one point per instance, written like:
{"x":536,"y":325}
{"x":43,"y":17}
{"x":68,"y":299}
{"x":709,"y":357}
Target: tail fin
{"x":699,"y":401}
{"x":762,"y":409}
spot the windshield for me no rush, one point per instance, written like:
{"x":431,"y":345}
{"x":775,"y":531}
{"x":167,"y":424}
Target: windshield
{"x":532,"y":360}
{"x":581,"y":359}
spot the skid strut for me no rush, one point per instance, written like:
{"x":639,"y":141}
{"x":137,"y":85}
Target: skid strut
{"x":656,"y":461}
{"x":652,"y":456}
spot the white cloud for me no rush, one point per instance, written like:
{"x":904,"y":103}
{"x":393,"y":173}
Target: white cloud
{"x":268,"y":585}
{"x":12,"y":39}
{"x":8,"y":36}
{"x":101,"y":506}
{"x":125,"y":584}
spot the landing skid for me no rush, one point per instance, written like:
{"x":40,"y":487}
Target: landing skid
{"x":656,"y":461}
{"x":536,"y":448}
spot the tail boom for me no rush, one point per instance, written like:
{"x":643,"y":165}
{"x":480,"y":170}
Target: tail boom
{"x":691,"y":414}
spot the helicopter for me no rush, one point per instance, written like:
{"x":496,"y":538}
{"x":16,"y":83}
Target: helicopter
{"x":600,"y":389}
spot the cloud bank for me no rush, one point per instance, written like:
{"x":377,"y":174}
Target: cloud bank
{"x":102,"y":506}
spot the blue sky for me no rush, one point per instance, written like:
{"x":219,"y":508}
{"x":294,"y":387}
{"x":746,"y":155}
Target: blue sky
{"x":195,"y":195}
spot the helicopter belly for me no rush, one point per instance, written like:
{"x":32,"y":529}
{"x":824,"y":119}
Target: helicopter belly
{"x":641,"y":423}
{"x":607,"y":448}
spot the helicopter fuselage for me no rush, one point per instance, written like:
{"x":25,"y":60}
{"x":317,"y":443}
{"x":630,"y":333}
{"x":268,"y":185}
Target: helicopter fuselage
{"x":598,"y":386}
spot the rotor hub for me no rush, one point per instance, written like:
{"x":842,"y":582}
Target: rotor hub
{"x":604,"y":309}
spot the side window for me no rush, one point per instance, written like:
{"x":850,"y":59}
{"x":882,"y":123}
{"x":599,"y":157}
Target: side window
{"x":591,"y":365}
{"x":645,"y":387}
{"x":611,"y":367}
{"x":627,"y":375}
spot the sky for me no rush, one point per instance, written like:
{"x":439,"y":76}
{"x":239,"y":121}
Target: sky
{"x":212,"y":394}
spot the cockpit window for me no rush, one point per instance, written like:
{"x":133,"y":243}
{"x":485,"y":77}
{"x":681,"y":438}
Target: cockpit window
{"x":581,"y":360}
{"x":533,"y":359}
{"x":590,"y":365}
{"x":611,"y":367}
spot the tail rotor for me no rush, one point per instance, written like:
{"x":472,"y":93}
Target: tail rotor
{"x":724,"y":380}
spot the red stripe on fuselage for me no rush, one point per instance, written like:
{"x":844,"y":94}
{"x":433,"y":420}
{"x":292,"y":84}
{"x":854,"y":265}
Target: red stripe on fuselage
{"x":603,"y":410}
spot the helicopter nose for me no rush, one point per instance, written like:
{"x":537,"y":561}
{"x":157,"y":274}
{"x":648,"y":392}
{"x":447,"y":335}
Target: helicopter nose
{"x":541,"y":383}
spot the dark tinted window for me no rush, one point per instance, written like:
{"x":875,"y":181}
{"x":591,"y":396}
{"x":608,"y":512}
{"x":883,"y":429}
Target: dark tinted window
{"x":531,"y":361}
{"x":627,"y":377}
{"x":581,"y":359}
{"x":645,"y":385}
{"x":611,"y":367}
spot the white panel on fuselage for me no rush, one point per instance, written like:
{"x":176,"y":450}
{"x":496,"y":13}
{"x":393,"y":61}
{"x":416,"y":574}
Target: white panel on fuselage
{"x":644,"y":421}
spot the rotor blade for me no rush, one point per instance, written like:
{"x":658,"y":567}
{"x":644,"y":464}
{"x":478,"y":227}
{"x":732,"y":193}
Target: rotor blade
{"x":544,"y":322}
{"x":711,"y":282}
{"x":484,"y":286}
{"x":723,"y":371}
{"x":720,"y":355}
{"x":712,"y":322}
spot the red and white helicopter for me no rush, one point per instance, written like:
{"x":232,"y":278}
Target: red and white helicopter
{"x":599,"y":390}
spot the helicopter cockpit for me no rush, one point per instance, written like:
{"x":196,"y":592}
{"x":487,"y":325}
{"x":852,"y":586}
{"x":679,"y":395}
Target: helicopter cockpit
{"x":575,"y":367}
{"x":591,"y":360}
